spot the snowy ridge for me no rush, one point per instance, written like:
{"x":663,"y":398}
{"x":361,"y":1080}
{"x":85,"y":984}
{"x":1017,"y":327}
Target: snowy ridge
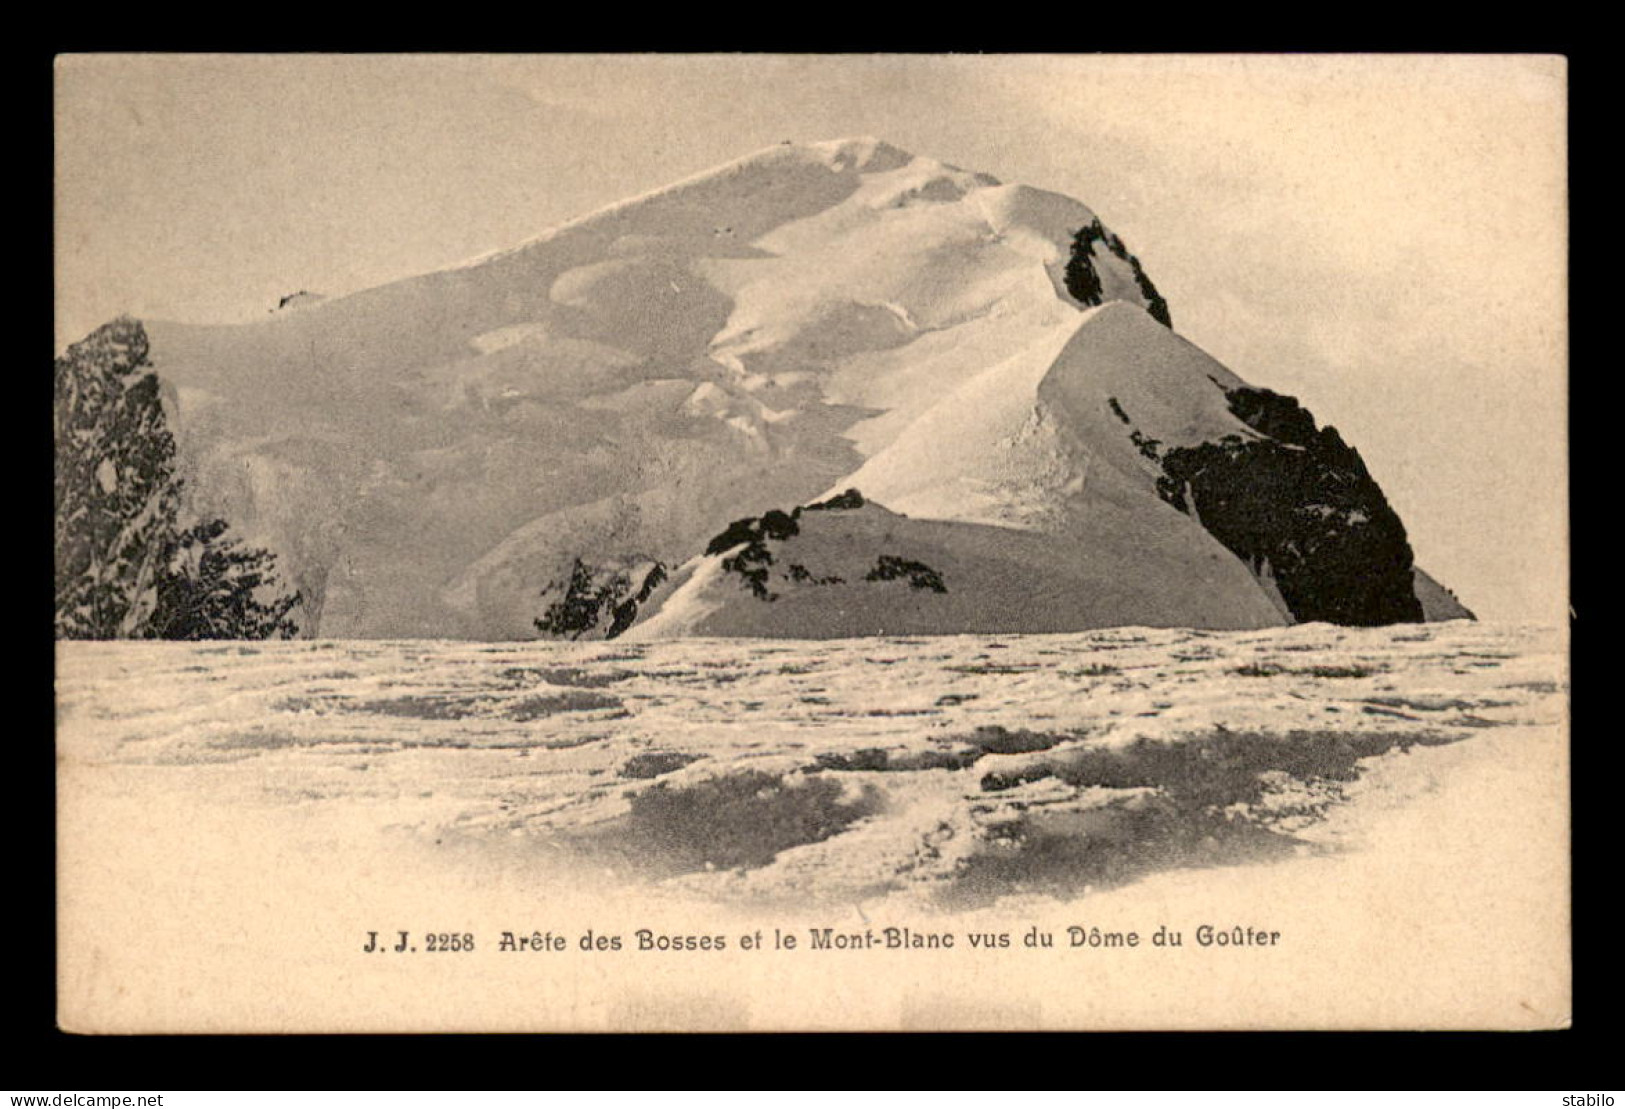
{"x":427,"y":456}
{"x":870,"y":572}
{"x":838,"y":155}
{"x":1060,"y":524}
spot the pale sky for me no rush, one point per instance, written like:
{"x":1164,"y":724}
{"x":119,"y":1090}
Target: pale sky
{"x":1383,"y":237}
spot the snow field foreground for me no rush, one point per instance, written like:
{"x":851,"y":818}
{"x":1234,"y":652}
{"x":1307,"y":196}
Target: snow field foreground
{"x":1390,"y":801}
{"x":951,"y":771}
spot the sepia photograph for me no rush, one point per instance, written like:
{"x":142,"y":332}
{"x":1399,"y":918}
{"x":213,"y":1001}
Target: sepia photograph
{"x":811,"y":542}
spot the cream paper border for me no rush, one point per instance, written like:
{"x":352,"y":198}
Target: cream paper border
{"x":191,"y":918}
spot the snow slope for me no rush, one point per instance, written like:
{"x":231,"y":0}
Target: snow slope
{"x":831,"y":581}
{"x":1393,"y":804}
{"x":1439,"y":603}
{"x":427,"y":456}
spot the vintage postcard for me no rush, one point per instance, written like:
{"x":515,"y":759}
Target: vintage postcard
{"x":811,"y":542}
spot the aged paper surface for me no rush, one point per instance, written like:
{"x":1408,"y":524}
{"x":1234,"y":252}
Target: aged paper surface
{"x":404,"y":826}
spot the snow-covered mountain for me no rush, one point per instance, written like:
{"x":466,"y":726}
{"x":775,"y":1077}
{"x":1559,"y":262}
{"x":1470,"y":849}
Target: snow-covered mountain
{"x":558,"y":432}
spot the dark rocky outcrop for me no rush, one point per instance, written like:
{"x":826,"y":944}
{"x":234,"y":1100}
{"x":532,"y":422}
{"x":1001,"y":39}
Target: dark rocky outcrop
{"x":302,"y":299}
{"x":130,"y":562}
{"x":1083,"y":282}
{"x":752,"y":559}
{"x":917,"y":574}
{"x":598,"y":599}
{"x":799,"y":573}
{"x":1299,"y":505}
{"x":751,"y":535}
{"x":841,"y":502}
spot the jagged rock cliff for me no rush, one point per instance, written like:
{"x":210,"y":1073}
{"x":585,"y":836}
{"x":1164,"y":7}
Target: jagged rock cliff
{"x":131,"y":563}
